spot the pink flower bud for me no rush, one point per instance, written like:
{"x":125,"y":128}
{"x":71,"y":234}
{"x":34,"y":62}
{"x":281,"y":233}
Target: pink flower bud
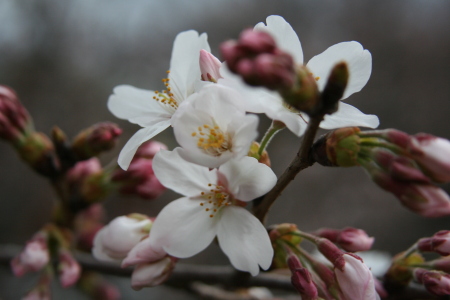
{"x":433,"y":155}
{"x":209,"y":66}
{"x":69,"y":269}
{"x":441,"y":264}
{"x":149,"y":149}
{"x":39,"y":293}
{"x":96,"y":139}
{"x":114,"y":241}
{"x":152,"y":274}
{"x":350,"y":239}
{"x":33,"y":257}
{"x":439,"y":243}
{"x":435,"y":282}
{"x":82,"y":170}
{"x":355,"y":279}
{"x":425,"y":199}
{"x":301,"y":279}
{"x":257,"y":41}
{"x":143,"y":252}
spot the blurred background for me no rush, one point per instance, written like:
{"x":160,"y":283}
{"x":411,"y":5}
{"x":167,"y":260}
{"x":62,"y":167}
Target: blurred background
{"x":65,"y":57}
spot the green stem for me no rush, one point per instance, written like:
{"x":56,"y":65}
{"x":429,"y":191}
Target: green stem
{"x":270,"y":133}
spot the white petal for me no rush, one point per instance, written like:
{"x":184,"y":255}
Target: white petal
{"x":141,"y":136}
{"x":180,"y":175}
{"x":244,"y":240}
{"x":185,"y":63}
{"x":348,"y":115}
{"x":245,"y":131}
{"x":137,"y":106}
{"x":183,"y":228}
{"x":284,"y":35}
{"x":247,"y":179}
{"x":359,"y":63}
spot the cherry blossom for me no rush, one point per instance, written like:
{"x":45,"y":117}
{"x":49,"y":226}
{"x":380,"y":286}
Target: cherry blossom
{"x":153,"y":110}
{"x":213,"y":206}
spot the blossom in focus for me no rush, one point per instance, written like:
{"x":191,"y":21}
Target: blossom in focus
{"x":153,"y":110}
{"x":33,"y":257}
{"x":260,"y":100}
{"x":115,"y":240}
{"x":213,"y":206}
{"x":212,"y":129}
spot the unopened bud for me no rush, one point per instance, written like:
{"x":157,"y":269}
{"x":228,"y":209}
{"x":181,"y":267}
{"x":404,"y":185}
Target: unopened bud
{"x":334,"y":88}
{"x":38,"y":151}
{"x":209,"y":66}
{"x":437,"y":283}
{"x":149,"y":149}
{"x":301,"y":279}
{"x":97,"y":287}
{"x":33,"y":257}
{"x":96,"y":139}
{"x":432,"y":154}
{"x":439,"y":243}
{"x":283,"y":232}
{"x":304,"y":94}
{"x":350,"y":239}
{"x":152,"y":274}
{"x":68,"y":268}
{"x":339,"y":147}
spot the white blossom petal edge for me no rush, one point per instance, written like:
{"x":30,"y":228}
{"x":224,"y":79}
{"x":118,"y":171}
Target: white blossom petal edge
{"x":213,"y":206}
{"x":153,"y":110}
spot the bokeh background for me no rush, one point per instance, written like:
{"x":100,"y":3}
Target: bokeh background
{"x":65,"y":57}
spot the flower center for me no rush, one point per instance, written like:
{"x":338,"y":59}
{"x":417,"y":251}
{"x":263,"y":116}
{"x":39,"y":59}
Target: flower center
{"x":165,"y":97}
{"x":212,"y":140}
{"x":215,"y":199}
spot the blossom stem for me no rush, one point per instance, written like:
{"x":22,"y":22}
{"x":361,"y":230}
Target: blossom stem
{"x":411,"y":250}
{"x":274,"y":128}
{"x":302,"y":160}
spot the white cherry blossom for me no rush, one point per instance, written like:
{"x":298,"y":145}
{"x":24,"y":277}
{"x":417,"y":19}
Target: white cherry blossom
{"x":213,"y":128}
{"x":153,"y":110}
{"x":213,"y":206}
{"x":261,"y":100}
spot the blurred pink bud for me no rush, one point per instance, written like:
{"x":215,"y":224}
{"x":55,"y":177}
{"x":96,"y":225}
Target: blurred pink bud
{"x":14,"y":118}
{"x":139,"y":180}
{"x":441,"y":264}
{"x":433,"y":155}
{"x":427,"y":200}
{"x":106,"y":291}
{"x":209,"y":66}
{"x":82,"y":170}
{"x":149,"y":149}
{"x":68,"y":268}
{"x":355,"y":279}
{"x":435,"y":282}
{"x":115,"y":240}
{"x":257,"y":59}
{"x":301,"y":279}
{"x":439,"y":243}
{"x":350,"y":239}
{"x":96,"y":139}
{"x":152,"y":274}
{"x":38,"y":293}
{"x":33,"y":257}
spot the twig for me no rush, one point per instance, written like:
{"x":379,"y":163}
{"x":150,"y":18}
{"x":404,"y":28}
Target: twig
{"x":301,"y":161}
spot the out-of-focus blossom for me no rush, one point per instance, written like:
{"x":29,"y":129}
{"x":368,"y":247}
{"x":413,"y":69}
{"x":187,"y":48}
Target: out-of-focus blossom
{"x":152,"y":274}
{"x":33,"y":257}
{"x":153,"y":110}
{"x":212,"y":129}
{"x":114,"y":241}
{"x":212,"y":207}
{"x":68,"y":268}
{"x":435,"y":282}
{"x":439,"y":243}
{"x":350,"y":239}
{"x":149,"y":149}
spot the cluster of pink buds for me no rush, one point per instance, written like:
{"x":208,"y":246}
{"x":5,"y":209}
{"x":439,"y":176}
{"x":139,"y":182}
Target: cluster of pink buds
{"x":257,"y":59}
{"x":409,"y":166}
{"x":139,"y":178}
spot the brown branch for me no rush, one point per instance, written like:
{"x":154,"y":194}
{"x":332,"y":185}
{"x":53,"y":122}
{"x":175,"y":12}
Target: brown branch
{"x":301,"y":161}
